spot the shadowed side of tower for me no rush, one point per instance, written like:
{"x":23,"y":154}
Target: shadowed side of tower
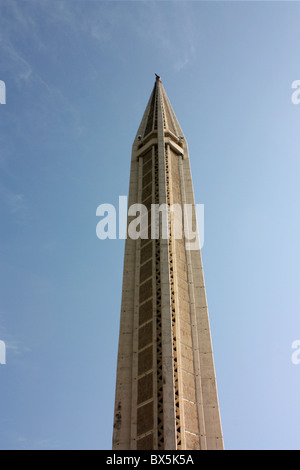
{"x":166,"y":394}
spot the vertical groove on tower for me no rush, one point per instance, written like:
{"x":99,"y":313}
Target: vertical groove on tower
{"x":145,"y":368}
{"x":149,"y":318}
{"x":160,"y":416}
{"x":173,"y":309}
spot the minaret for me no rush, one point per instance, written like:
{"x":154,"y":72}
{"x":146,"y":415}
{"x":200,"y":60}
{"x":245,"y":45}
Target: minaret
{"x":166,"y":394}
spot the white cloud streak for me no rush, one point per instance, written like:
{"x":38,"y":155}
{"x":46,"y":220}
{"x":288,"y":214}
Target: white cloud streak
{"x":15,"y":203}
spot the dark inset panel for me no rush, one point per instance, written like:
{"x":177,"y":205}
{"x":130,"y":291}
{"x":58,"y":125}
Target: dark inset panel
{"x":145,"y":388}
{"x":146,"y":312}
{"x":146,"y":271}
{"x":146,"y":252}
{"x":146,"y":290}
{"x":147,"y":156}
{"x":145,"y":418}
{"x":147,"y":192}
{"x":146,"y":443}
{"x":147,"y":167}
{"x":145,"y":335}
{"x":145,"y":360}
{"x":147,"y":179}
{"x":145,"y":241}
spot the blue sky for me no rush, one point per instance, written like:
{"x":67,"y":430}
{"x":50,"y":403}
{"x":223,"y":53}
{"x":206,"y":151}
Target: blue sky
{"x":78,"y":76}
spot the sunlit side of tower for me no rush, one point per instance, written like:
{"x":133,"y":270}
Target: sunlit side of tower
{"x":166,"y":394}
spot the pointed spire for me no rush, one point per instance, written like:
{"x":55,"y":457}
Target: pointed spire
{"x":159,"y":103}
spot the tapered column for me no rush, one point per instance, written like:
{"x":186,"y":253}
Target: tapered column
{"x":166,"y":394}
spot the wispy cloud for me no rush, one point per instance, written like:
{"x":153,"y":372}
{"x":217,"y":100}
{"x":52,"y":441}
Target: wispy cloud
{"x":15,"y":203}
{"x":174,"y":34}
{"x":17,"y":26}
{"x":16,"y":348}
{"x":13,"y":347}
{"x":22,"y":68}
{"x":181,"y":63}
{"x":13,"y":26}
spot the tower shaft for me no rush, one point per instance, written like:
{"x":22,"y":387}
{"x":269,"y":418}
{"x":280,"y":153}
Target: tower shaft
{"x":166,"y":394}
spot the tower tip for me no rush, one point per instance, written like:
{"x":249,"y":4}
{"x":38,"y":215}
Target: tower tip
{"x":157,"y":77}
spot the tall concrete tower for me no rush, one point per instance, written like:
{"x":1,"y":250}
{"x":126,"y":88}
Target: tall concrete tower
{"x":166,"y":395}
